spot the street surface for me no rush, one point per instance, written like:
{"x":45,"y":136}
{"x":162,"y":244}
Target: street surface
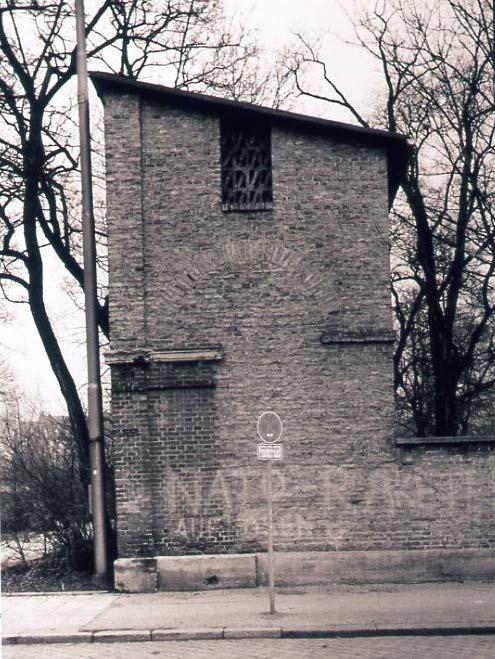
{"x":409,"y":647}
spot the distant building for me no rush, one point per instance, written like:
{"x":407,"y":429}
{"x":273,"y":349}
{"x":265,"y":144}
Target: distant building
{"x":249,"y":271}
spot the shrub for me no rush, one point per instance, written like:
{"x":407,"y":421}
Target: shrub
{"x":42,"y":490}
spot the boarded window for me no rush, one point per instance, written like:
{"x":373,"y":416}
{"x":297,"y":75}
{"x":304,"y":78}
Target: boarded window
{"x":246,"y":166}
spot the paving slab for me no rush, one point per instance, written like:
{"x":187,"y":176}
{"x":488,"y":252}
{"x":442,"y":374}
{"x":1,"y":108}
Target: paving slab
{"x":193,"y":610}
{"x":52,"y":614}
{"x":244,"y":613}
{"x":411,"y":605}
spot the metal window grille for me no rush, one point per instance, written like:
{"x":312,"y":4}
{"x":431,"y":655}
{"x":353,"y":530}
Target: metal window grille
{"x":246,"y":166}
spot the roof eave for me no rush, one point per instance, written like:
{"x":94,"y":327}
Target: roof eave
{"x":396,"y":145}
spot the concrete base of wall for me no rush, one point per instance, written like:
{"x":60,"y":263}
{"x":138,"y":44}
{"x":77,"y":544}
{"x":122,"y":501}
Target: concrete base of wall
{"x":400,"y":566}
{"x":203,"y":572}
{"x":136,"y":575}
{"x":206,"y":572}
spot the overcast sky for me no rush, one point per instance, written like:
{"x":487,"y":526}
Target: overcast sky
{"x":275,"y":20}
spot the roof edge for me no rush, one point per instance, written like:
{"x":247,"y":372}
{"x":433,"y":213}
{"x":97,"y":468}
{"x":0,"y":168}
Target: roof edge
{"x":398,"y":148}
{"x":109,"y":81}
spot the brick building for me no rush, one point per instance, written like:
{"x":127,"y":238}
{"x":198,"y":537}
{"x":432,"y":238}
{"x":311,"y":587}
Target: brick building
{"x":249,"y":271}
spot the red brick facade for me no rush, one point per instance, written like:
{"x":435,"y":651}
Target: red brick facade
{"x":218,"y":316}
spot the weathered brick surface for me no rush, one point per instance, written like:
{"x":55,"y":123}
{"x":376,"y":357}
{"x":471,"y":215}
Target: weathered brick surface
{"x":266,"y":286}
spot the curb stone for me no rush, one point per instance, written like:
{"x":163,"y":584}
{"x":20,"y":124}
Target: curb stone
{"x":443,"y":629}
{"x":39,"y":639}
{"x":58,"y":593}
{"x":238,"y":633}
{"x":115,"y":636}
{"x":231,"y":633}
{"x":186,"y":634}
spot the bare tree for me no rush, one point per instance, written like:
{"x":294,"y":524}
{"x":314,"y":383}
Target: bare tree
{"x":185,"y":43}
{"x":44,"y":508}
{"x":42,"y":495}
{"x":437,"y":60}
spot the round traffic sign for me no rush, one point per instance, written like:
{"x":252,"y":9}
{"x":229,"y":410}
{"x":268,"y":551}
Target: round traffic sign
{"x":269,"y":427}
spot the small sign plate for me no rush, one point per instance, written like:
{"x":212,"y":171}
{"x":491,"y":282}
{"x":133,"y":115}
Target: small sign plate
{"x":270,"y":452}
{"x":269,"y":427}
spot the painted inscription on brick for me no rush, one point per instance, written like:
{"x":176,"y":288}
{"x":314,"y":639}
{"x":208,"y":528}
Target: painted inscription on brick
{"x":329,"y":503}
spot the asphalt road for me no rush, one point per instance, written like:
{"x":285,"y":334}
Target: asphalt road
{"x":409,"y":647}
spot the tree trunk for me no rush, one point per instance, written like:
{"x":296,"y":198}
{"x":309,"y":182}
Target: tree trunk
{"x":33,"y":163}
{"x":446,"y":375}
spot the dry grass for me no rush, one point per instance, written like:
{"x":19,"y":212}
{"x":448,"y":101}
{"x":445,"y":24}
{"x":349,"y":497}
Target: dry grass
{"x":47,"y":574}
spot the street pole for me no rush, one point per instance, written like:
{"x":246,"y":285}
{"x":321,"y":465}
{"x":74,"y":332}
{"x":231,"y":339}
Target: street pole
{"x":271,"y":569}
{"x":95,"y":403}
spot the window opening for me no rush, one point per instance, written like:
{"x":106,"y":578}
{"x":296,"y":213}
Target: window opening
{"x":246,"y":166}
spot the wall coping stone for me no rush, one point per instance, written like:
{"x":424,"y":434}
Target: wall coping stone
{"x":411,"y":442}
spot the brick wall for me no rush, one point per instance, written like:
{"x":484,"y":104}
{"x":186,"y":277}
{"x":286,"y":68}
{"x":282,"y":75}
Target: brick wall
{"x":298,"y":298}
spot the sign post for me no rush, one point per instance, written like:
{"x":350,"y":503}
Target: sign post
{"x":269,"y":428}
{"x":271,"y":562}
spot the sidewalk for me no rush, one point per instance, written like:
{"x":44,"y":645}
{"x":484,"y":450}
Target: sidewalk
{"x":440,"y":608}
